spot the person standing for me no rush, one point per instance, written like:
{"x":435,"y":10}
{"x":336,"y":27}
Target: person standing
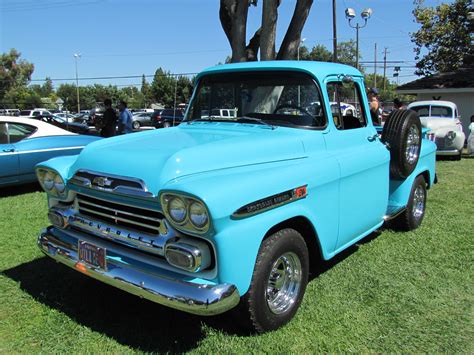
{"x":109,"y":120}
{"x":374,"y":106}
{"x":125,"y":119}
{"x":398,"y":104}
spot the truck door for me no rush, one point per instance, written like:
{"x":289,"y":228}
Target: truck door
{"x":363,"y":160}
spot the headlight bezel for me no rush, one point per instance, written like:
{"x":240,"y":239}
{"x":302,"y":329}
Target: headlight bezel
{"x":187,"y":225}
{"x":55,"y":185}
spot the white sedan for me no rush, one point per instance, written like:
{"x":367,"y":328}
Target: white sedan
{"x":443,"y":120}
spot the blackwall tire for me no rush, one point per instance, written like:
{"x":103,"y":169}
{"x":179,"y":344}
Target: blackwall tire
{"x":278,"y":283}
{"x":412,"y":217}
{"x":402,"y":132}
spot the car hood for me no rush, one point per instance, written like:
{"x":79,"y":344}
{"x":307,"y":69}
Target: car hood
{"x":159,"y":156}
{"x":437,"y":123}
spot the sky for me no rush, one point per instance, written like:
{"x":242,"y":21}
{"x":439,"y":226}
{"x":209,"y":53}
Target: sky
{"x":128,"y":38}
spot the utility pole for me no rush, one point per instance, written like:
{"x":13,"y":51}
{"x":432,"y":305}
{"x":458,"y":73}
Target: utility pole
{"x":375,"y":66}
{"x":334,"y":32}
{"x":384,"y":67}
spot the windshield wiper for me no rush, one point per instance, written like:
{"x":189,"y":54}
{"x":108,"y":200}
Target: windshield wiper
{"x":247,"y":119}
{"x":207,"y":119}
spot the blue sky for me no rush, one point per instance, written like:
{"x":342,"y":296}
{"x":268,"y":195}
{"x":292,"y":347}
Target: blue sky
{"x":127,"y":38}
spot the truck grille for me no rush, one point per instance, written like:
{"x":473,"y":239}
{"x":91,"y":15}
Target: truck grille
{"x":136,"y":218}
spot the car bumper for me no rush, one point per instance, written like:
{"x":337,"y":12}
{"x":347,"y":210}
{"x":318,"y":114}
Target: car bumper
{"x":450,"y":152}
{"x":136,"y":277}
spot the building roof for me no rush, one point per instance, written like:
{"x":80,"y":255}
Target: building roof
{"x":460,"y":79}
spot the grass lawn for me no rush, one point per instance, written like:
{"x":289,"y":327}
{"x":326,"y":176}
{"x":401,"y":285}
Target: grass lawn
{"x":393,"y":292}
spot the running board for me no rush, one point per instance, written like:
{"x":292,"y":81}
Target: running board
{"x":393,"y":212}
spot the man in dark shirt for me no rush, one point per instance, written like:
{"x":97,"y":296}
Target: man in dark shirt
{"x":109,"y":120}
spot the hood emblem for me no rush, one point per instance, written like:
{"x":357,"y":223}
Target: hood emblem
{"x":102,"y":181}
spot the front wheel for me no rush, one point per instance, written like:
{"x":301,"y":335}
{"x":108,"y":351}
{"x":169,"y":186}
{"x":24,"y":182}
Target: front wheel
{"x":412,"y":217}
{"x":136,"y":125}
{"x":278,"y":283}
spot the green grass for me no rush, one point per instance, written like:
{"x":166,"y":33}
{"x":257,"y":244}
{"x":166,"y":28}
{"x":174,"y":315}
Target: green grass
{"x":393,"y":292}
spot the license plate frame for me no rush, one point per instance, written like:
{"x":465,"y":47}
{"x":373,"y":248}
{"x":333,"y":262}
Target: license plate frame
{"x":92,"y":255}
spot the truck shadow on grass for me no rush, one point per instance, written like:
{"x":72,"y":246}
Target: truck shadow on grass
{"x":131,"y":321}
{"x":11,"y":191}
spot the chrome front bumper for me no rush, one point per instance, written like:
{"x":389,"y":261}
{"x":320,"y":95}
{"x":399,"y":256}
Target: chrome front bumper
{"x":140,"y":278}
{"x":448,"y":152}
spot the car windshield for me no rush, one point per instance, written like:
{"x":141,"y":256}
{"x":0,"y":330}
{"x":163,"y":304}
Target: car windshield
{"x":436,"y":111}
{"x":277,"y":98}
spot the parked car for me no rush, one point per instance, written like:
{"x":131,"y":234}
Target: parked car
{"x":25,"y":142}
{"x":444,"y":122}
{"x":34,"y":113}
{"x":167,"y":118}
{"x":75,"y":127}
{"x":68,"y":117}
{"x":218,"y":212}
{"x":141,"y":119}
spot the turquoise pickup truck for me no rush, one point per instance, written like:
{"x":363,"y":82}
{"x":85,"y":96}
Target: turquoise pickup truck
{"x":232,"y":211}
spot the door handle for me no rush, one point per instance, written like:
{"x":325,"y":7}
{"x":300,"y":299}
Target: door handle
{"x":9,"y":150}
{"x":372,"y":138}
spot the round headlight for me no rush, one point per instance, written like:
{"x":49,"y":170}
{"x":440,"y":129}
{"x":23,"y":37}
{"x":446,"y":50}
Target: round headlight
{"x":451,"y":135}
{"x":48,"y":181}
{"x":59,"y":184}
{"x":198,"y":214}
{"x":177,"y":209}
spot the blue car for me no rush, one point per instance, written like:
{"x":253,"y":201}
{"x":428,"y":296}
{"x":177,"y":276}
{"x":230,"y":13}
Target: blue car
{"x":24,"y":142}
{"x":229,"y":211}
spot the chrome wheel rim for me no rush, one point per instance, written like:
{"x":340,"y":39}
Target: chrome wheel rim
{"x":413,"y":144}
{"x":284,"y":283}
{"x":418,"y":202}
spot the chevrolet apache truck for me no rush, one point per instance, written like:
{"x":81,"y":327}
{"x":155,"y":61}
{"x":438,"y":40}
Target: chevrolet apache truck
{"x":224,"y":212}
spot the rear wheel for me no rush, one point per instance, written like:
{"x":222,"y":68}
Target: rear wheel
{"x":136,"y":125}
{"x":402,"y":132}
{"x":278,"y":282}
{"x":412,"y":217}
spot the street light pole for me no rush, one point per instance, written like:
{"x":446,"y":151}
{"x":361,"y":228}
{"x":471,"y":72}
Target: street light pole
{"x":350,"y":15}
{"x":299,"y":45}
{"x":77,"y":56}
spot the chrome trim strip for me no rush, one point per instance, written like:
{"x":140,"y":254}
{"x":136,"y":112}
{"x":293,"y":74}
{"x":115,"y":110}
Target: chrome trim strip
{"x":42,"y":150}
{"x":394,"y":215}
{"x":79,"y":194}
{"x":119,"y":211}
{"x":120,"y":218}
{"x":142,"y":241}
{"x":196,"y":298}
{"x":121,"y":190}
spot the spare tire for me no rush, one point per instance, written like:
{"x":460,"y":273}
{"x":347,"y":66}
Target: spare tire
{"x":402,"y":133}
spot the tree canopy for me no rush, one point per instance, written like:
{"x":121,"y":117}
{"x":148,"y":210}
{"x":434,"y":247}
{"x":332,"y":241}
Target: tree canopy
{"x":14,"y":72}
{"x":443,"y":42}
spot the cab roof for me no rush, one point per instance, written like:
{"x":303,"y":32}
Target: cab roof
{"x":319,"y":70}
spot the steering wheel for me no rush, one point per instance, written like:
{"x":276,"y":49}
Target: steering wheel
{"x":294,"y":107}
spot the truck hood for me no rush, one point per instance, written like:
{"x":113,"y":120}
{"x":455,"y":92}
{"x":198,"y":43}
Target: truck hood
{"x":162,"y":155}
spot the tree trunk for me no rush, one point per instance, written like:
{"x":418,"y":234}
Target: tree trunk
{"x":233,"y":16}
{"x":268,"y":36}
{"x":289,"y":46}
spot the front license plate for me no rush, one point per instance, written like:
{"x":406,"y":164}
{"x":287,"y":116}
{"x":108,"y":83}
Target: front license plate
{"x":92,"y":255}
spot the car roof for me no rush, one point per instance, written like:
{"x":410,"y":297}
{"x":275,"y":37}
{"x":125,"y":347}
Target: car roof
{"x":433,"y":102}
{"x":44,"y":129}
{"x":320,"y":70}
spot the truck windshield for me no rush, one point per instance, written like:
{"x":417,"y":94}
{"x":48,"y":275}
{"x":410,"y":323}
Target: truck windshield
{"x":279,"y":98}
